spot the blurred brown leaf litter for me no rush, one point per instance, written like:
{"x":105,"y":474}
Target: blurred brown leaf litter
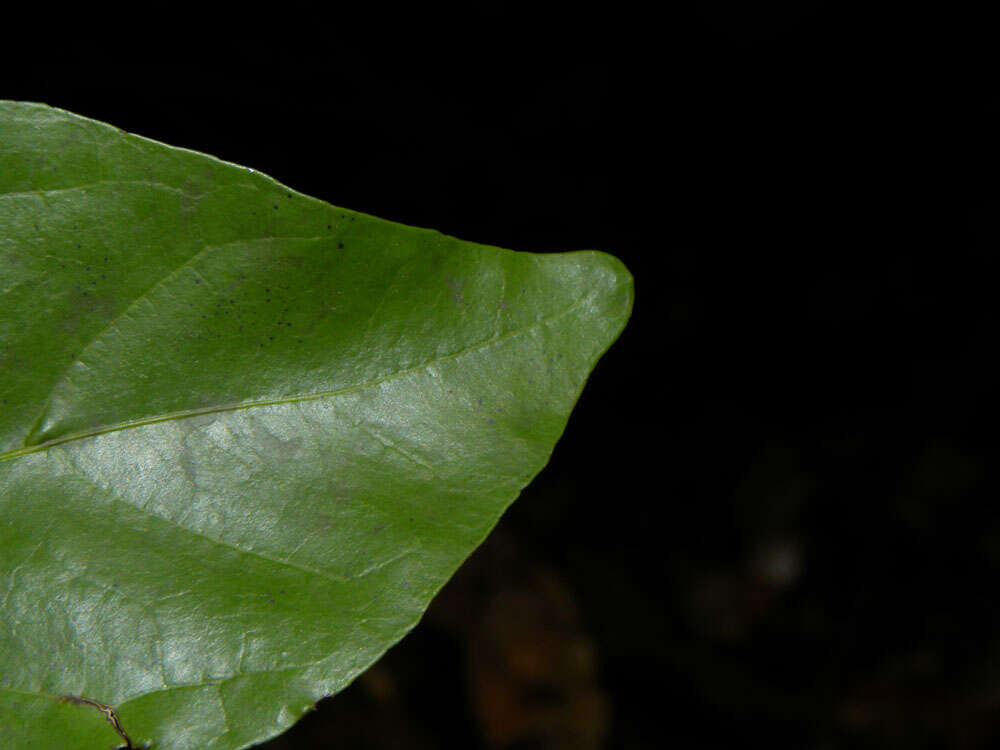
{"x":524,"y":670}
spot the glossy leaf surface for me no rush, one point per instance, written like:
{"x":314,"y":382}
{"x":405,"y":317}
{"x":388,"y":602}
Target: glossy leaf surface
{"x":246,"y":436}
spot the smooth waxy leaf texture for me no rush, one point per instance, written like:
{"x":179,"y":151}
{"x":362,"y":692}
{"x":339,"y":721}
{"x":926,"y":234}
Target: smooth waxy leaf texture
{"x":245,"y":436}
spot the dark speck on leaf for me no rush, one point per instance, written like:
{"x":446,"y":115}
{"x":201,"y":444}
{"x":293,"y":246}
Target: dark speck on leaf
{"x":197,"y":281}
{"x":340,"y":245}
{"x":78,"y":244}
{"x":275,"y":206}
{"x":329,"y":226}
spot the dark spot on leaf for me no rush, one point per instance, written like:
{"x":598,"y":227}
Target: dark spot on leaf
{"x":340,"y":245}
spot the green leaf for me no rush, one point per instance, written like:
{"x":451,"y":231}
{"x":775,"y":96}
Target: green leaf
{"x":246,"y":436}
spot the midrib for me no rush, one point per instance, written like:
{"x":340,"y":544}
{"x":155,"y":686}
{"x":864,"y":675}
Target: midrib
{"x":299,"y":398}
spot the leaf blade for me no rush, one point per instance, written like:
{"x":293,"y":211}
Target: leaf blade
{"x":198,"y":516}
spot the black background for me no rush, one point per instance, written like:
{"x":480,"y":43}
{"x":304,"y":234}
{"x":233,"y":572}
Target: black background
{"x":768,"y":516}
